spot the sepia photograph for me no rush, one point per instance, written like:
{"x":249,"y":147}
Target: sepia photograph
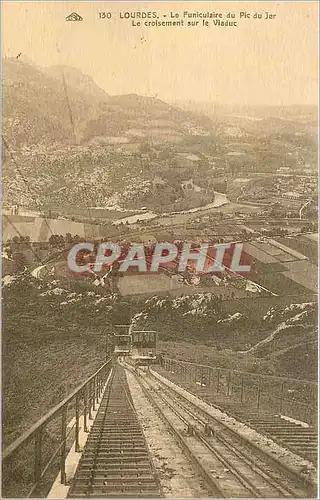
{"x":159,"y":249}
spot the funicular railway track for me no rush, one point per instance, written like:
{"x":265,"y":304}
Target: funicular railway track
{"x":115,"y":461}
{"x":300,"y":440}
{"x":230,"y":465}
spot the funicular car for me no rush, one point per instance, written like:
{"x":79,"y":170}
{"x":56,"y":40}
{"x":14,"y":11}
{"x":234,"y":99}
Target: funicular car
{"x":144,"y":347}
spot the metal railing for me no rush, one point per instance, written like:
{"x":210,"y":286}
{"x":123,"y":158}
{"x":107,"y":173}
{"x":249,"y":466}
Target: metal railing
{"x":292,"y":397}
{"x":30,"y":452}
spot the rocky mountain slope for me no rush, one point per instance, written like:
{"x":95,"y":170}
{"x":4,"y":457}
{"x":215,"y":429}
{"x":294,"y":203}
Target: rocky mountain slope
{"x":75,"y":144}
{"x":274,"y":338}
{"x":36,"y":107}
{"x":60,"y":104}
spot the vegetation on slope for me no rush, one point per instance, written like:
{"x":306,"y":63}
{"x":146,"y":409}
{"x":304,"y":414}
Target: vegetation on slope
{"x":54,"y":338}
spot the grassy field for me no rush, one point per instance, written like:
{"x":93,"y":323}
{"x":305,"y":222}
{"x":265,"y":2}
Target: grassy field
{"x":85,"y":213}
{"x":224,"y":358}
{"x":280,"y":364}
{"x":207,"y":355}
{"x":37,"y":375}
{"x":303,"y":245}
{"x":238,"y":390}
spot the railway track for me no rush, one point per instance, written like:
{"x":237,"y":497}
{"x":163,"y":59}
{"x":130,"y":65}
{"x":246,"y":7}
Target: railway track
{"x":301,"y":440}
{"x":115,"y":462}
{"x":230,"y":465}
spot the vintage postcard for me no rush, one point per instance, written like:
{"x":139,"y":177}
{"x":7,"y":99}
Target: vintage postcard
{"x":159,"y":249}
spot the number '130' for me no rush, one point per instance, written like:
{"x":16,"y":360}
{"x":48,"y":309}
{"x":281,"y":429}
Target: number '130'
{"x":104,"y":15}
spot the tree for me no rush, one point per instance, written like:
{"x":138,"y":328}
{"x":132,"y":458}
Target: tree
{"x":76,"y":238}
{"x":121,"y":314}
{"x":20,"y":260}
{"x":69,"y":238}
{"x":25,"y":241}
{"x":15,"y":243}
{"x":54,"y":240}
{"x":61,"y":240}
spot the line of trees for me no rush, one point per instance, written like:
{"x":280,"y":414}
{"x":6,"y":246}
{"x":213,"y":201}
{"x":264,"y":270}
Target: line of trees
{"x":60,"y":241}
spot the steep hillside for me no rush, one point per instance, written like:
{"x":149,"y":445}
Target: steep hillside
{"x":135,"y":117}
{"x":64,"y":325}
{"x":36,"y":107}
{"x":77,"y":145}
{"x":274,"y":338}
{"x":44,"y":105}
{"x":75,"y":79}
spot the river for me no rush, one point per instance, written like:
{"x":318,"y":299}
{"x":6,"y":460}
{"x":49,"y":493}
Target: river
{"x":166,"y":218}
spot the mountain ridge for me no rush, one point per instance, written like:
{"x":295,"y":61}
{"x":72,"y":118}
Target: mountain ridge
{"x":59,"y":103}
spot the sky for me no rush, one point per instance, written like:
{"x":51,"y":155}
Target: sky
{"x":270,"y":61}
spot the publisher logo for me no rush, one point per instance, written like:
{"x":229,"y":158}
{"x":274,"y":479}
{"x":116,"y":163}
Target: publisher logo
{"x":74,"y":17}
